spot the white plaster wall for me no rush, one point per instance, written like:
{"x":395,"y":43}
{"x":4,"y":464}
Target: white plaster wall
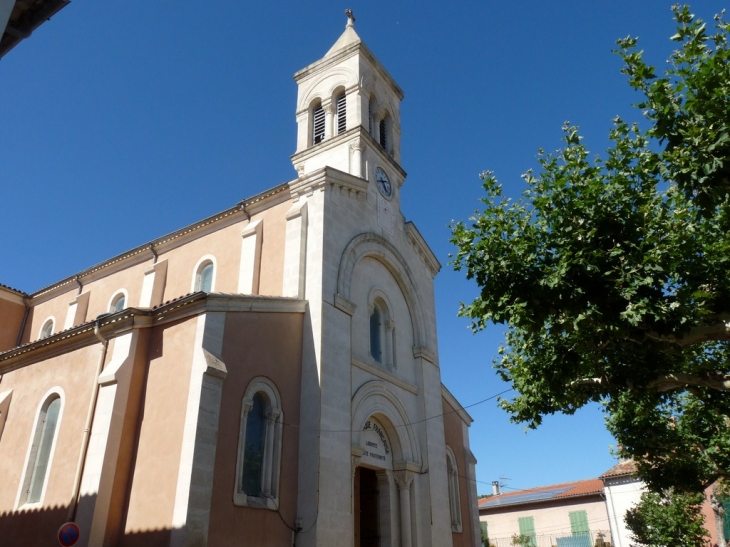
{"x":620,"y":497}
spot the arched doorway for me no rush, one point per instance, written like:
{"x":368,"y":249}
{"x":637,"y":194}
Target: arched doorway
{"x":371,"y":488}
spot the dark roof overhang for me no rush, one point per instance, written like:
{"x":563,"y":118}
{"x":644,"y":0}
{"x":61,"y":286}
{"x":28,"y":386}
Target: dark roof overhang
{"x":25,"y":17}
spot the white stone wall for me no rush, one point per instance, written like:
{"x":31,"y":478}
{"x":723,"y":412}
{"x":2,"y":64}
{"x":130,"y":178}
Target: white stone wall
{"x":621,"y":495}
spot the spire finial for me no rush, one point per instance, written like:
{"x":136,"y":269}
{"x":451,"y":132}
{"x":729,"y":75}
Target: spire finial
{"x":350,"y":18}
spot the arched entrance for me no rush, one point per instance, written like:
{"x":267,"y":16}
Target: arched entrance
{"x":371,"y":488}
{"x":383,"y":442}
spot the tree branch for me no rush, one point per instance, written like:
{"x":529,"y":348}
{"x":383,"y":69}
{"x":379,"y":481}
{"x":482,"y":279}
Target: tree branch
{"x":719,"y":330}
{"x":713,"y":380}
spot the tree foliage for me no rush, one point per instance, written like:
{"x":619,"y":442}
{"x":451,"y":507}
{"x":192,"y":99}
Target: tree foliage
{"x":668,"y":519}
{"x":613,"y":273}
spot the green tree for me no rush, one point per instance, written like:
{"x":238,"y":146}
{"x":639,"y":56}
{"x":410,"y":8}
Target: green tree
{"x":613,"y":274}
{"x":668,"y":519}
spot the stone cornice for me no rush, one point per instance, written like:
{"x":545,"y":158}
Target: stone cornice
{"x":112,"y":325}
{"x":384,"y":375}
{"x":12,"y":295}
{"x":328,"y":176}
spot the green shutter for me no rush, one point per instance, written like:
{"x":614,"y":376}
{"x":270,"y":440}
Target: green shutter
{"x":485,"y":532}
{"x":579,"y":523}
{"x":726,"y":519}
{"x":527,"y":528}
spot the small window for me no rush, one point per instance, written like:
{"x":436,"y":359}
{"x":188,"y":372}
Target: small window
{"x":259,"y":449}
{"x":46,"y":329}
{"x":341,"y":113}
{"x":317,"y":124}
{"x":118,"y":303}
{"x":44,"y":436}
{"x":452,"y":472}
{"x":204,"y":277}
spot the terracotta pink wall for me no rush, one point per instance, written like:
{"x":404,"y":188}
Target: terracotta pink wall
{"x":161,"y":420}
{"x":11,"y":318}
{"x":453,"y":432}
{"x":73,"y":372}
{"x":257,"y":344}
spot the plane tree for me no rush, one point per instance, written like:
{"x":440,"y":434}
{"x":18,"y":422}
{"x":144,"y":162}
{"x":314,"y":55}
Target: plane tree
{"x":613,"y":273}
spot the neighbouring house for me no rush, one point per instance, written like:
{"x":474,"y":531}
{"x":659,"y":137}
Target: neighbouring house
{"x":572,"y":514}
{"x":623,"y":491}
{"x":266,"y":376}
{"x":588,"y":513}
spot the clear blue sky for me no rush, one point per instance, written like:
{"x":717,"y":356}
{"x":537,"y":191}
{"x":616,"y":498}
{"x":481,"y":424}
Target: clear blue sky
{"x":123,"y":121}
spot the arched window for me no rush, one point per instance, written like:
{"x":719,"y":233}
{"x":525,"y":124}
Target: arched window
{"x":41,"y":450}
{"x":341,"y":113}
{"x":452,"y":472}
{"x":118,"y":303}
{"x":382,"y":332}
{"x":317,"y":124}
{"x":204,"y":276}
{"x":259,"y":447}
{"x":46,"y":329}
{"x":376,"y":339}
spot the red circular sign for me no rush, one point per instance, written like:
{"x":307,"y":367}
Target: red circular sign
{"x":68,"y":534}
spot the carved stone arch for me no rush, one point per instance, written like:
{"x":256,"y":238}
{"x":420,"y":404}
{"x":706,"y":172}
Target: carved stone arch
{"x":340,"y":76}
{"x":374,"y":246}
{"x":374,"y":400}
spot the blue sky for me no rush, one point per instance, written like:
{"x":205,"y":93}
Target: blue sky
{"x":123,"y":121}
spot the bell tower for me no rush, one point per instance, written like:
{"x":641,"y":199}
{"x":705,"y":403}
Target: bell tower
{"x":348,"y":114}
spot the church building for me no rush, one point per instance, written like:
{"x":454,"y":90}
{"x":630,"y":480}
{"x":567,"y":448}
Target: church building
{"x":267,"y":376}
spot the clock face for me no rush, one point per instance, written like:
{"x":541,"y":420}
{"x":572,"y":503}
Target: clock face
{"x":383,"y":182}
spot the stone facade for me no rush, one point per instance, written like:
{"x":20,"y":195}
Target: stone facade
{"x":291,"y":396}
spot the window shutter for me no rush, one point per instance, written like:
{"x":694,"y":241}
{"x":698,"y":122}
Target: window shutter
{"x":579,"y":523}
{"x":485,"y":529}
{"x":527,"y":528}
{"x":318,"y":127}
{"x":341,"y":114}
{"x":383,"y":135}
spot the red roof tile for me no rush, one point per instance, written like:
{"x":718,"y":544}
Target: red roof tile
{"x":544,"y":493}
{"x":624,"y":467}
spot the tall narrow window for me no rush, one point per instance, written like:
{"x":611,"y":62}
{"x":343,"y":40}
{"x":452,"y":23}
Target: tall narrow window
{"x":376,"y":342}
{"x":318,"y":124}
{"x":454,"y":501}
{"x":204,"y":276}
{"x":383,"y":138}
{"x":253,"y":456}
{"x":341,"y":113}
{"x":259,"y":448}
{"x":44,"y":436}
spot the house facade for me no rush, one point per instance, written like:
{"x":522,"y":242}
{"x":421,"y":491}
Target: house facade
{"x":268,"y":375}
{"x":571,"y":514}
